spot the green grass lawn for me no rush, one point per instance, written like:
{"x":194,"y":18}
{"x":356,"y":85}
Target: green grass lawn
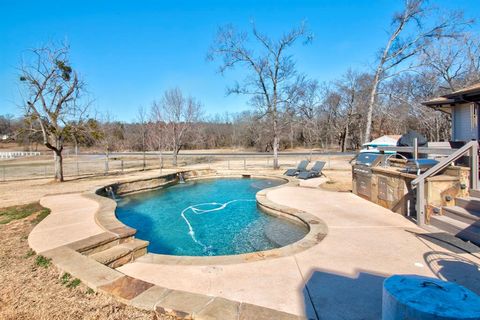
{"x":19,"y":212}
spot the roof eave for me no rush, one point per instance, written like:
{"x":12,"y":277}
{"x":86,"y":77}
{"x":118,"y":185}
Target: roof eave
{"x":445,"y":107}
{"x":459,"y":94}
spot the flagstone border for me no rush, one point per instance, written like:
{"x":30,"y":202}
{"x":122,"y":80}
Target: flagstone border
{"x":72,"y":258}
{"x":317,"y":229}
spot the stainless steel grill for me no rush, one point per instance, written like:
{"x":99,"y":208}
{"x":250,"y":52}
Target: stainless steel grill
{"x":419,"y":166}
{"x":362,"y":172}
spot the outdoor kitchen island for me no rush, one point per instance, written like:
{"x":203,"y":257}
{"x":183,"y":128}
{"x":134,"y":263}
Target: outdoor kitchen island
{"x":387,"y":181}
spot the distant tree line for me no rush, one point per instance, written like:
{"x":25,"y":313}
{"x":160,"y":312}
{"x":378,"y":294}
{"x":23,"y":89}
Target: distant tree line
{"x":426,"y":54}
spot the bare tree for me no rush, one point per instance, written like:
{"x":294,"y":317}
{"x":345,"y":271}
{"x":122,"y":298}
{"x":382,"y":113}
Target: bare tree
{"x":410,"y":34}
{"x":307,"y":107}
{"x":52,"y":91}
{"x":157,"y":129}
{"x":271,"y":72}
{"x":106,"y":134}
{"x":7,"y":125}
{"x":455,"y":61}
{"x":143,"y":129}
{"x":179,"y":114}
{"x":350,"y":91}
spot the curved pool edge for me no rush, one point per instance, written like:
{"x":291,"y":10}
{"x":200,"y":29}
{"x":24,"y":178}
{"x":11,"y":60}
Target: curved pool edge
{"x":106,"y":218}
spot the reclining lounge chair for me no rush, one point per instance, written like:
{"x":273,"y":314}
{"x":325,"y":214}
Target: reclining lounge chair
{"x":315,"y":171}
{"x":302,"y":167}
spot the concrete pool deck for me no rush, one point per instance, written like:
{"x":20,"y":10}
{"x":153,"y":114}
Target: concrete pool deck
{"x":339,"y":278}
{"x":72,"y":218}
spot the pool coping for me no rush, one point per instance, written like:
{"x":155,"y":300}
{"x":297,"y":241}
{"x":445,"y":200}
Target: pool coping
{"x":150,"y":297}
{"x":106,"y":218}
{"x":72,"y":258}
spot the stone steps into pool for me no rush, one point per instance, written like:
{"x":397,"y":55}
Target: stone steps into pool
{"x":102,"y":241}
{"x":121,"y":254}
{"x":280,"y":235}
{"x":252,"y":239}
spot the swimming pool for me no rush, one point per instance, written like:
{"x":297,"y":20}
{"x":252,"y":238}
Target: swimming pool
{"x":207,"y":217}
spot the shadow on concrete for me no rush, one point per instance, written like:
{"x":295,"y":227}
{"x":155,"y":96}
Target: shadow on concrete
{"x":454,"y":268}
{"x":449,"y":242}
{"x":471,"y":233}
{"x":336,"y":296}
{"x":358,"y":296}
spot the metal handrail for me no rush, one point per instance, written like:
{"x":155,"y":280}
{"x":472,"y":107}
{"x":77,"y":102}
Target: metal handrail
{"x":419,"y":182}
{"x":443,"y":163}
{"x":421,"y":150}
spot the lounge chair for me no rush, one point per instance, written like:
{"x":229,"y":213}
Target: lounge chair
{"x":302,"y":167}
{"x":315,"y":171}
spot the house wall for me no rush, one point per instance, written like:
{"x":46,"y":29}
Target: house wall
{"x":464,"y":122}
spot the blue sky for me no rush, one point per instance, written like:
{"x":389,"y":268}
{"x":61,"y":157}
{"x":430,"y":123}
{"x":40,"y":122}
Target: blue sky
{"x":129,"y":52}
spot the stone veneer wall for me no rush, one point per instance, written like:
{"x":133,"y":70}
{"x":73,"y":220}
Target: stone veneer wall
{"x":442,"y":190}
{"x":392,"y":189}
{"x":122,"y":188}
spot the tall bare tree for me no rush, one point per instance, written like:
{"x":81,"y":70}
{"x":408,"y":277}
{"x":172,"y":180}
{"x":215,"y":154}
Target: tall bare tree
{"x":308,"y":110}
{"x":410,"y":34}
{"x":52,"y":92}
{"x":178,"y":113}
{"x":350,"y":91}
{"x":271,"y":71}
{"x":156,"y":133}
{"x":142,"y":132}
{"x":107,"y":134}
{"x":456,"y":62}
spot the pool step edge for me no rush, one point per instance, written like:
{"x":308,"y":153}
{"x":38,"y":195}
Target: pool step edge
{"x":121,"y":254}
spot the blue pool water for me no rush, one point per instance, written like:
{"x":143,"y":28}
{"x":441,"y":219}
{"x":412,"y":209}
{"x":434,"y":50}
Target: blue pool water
{"x":207,"y":218}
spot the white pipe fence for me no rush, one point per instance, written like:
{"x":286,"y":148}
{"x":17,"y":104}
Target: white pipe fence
{"x":17,"y":154}
{"x":85,"y":165}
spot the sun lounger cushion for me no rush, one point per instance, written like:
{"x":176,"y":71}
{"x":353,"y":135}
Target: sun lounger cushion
{"x":302,"y":166}
{"x":315,"y":171}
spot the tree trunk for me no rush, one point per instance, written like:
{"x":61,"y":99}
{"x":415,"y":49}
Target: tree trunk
{"x":160,"y":158}
{"x":76,"y":155}
{"x":345,"y":138}
{"x":291,"y":135}
{"x":76,"y":146}
{"x":107,"y":159}
{"x":371,"y":104}
{"x":144,"y":160}
{"x":175,"y":156}
{"x":57,"y":158}
{"x":276,"y":144}
{"x":58,"y":166}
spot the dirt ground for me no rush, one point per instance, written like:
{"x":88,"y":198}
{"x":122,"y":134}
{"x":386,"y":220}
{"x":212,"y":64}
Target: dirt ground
{"x":32,"y":291}
{"x":340,"y":181}
{"x":26,"y":191}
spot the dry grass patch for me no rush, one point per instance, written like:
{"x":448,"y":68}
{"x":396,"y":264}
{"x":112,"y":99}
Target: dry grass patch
{"x":340,"y":181}
{"x":31,"y":287}
{"x":10,"y":214}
